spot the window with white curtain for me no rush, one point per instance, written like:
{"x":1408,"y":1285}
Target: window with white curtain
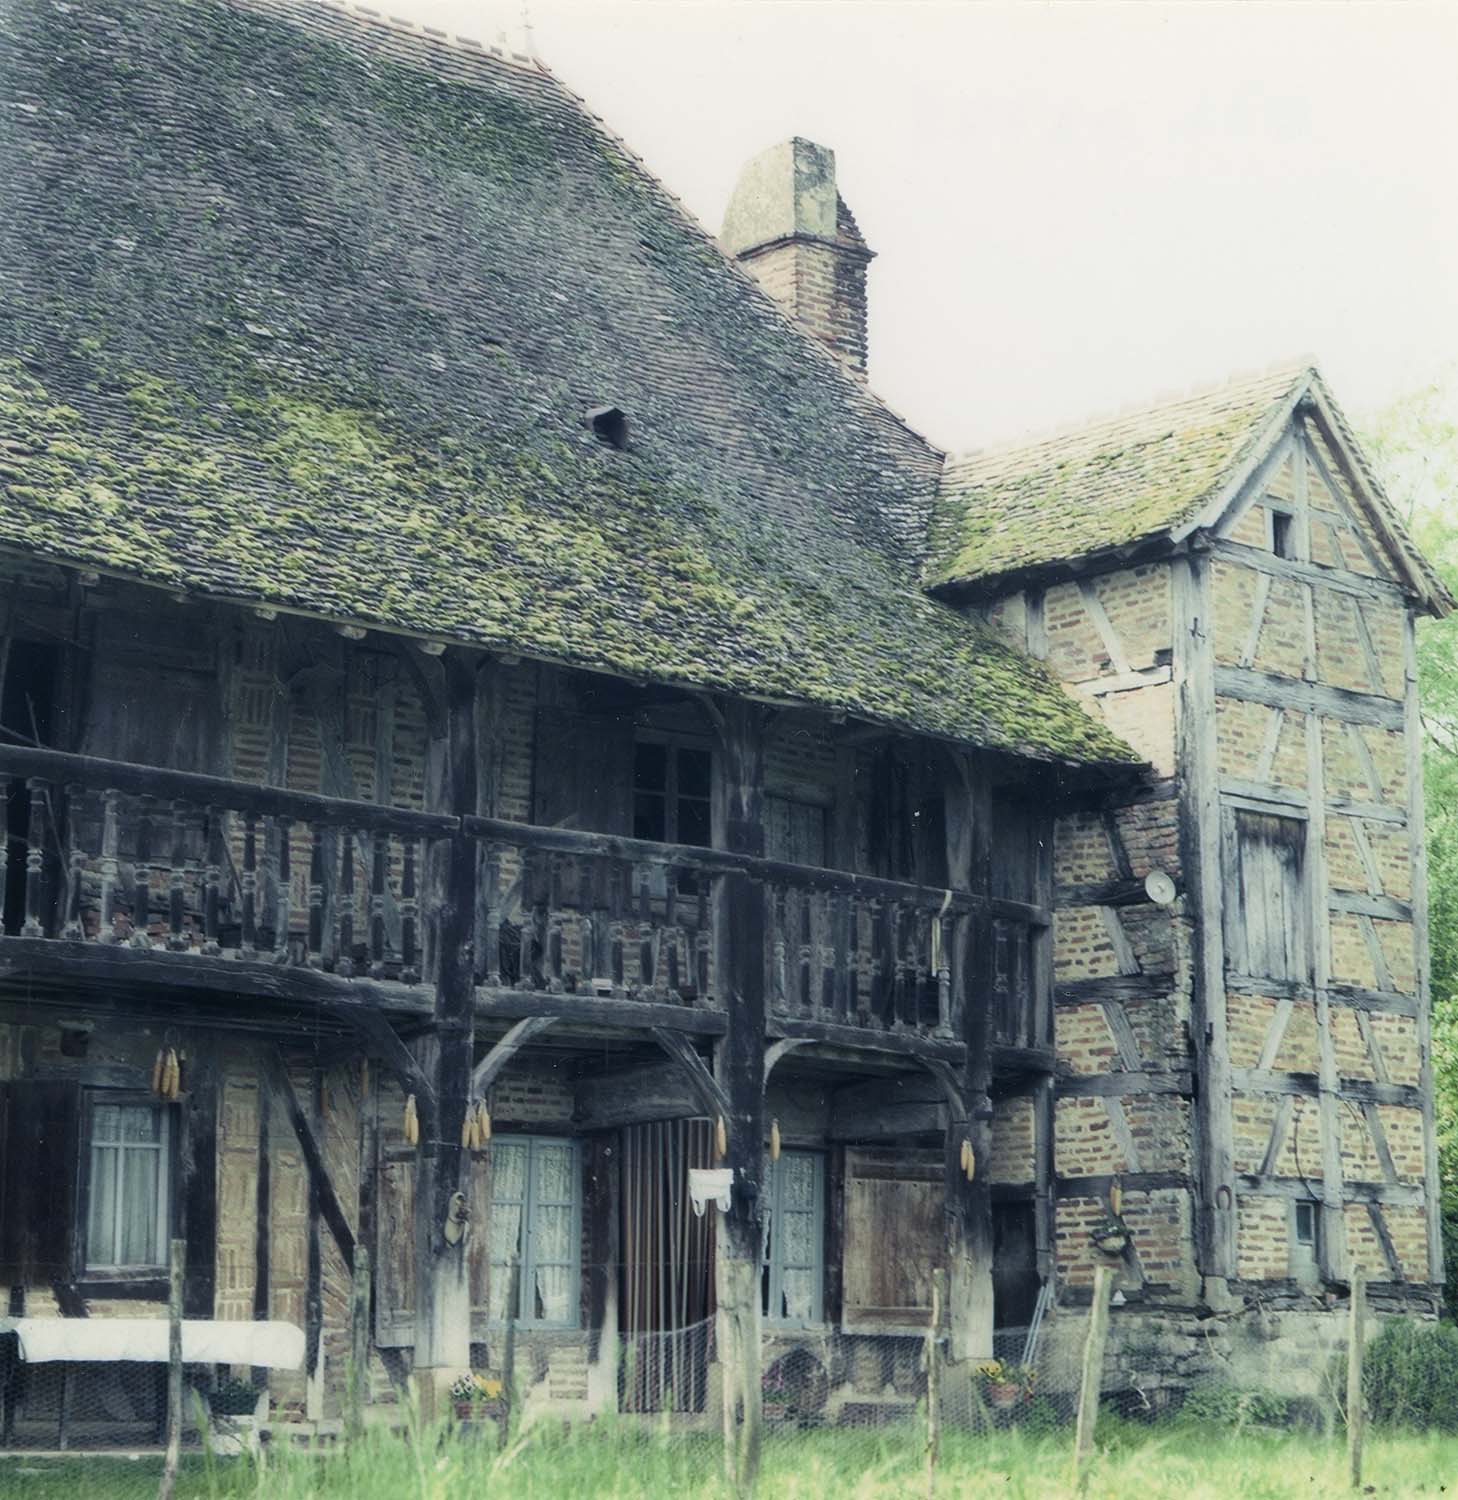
{"x":794,"y":1239}
{"x":128,"y":1182}
{"x":536,"y":1215}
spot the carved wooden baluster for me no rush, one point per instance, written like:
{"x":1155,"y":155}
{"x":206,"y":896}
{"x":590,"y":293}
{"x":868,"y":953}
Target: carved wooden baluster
{"x":534,"y":925}
{"x":281,"y":940}
{"x":213,"y":883}
{"x":642,"y":876}
{"x":488,"y":956}
{"x":946,"y":933}
{"x":855,"y":990}
{"x":827,"y":910}
{"x":142,"y":876}
{"x":248,"y":938}
{"x":804,"y":921}
{"x":314,"y":942}
{"x":1018,"y":985}
{"x":109,"y":864}
{"x":73,"y":927}
{"x":665,"y":968}
{"x":837,"y":999}
{"x":409,"y":915}
{"x":883,"y":998}
{"x":595,"y":955}
{"x":779,"y":915}
{"x":344,"y":948}
{"x":554,"y":944}
{"x":620,"y":895}
{"x":703,"y":942}
{"x":379,"y":867}
{"x":4,"y":844}
{"x":177,"y":881}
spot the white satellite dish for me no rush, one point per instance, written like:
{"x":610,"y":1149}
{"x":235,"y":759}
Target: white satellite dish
{"x":1159,"y":888}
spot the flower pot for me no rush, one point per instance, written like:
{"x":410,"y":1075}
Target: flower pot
{"x":1003,"y":1395}
{"x":231,"y":1436}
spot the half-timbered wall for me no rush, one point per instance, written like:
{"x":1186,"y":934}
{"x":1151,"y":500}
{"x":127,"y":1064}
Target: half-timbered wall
{"x":1325,"y":1003}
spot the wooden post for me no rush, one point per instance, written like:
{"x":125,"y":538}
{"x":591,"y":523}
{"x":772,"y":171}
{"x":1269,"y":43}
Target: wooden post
{"x":1356,"y":1411}
{"x":177,"y":1259}
{"x":359,"y":1340}
{"x":739,"y":1063}
{"x":934,"y":1384}
{"x":442,"y":1291}
{"x":1093,"y":1370}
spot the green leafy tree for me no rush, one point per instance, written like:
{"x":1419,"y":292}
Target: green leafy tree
{"x":1414,"y":444}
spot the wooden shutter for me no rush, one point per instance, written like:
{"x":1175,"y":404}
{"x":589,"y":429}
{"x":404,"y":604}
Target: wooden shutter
{"x":583,"y":771}
{"x":1267,"y":928}
{"x":794,"y":831}
{"x":395,"y":1248}
{"x":41,"y":1154}
{"x":894,"y":1235}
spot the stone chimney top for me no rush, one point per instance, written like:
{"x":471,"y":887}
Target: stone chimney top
{"x":790,"y":228}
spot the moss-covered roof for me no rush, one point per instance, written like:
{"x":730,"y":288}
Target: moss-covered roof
{"x":301,"y":308}
{"x":1114,"y":483}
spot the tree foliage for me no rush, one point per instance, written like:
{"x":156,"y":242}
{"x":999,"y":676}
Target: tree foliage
{"x":1414,"y":443}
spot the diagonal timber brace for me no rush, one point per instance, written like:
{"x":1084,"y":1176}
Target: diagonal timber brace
{"x":701,"y":1080}
{"x":486,"y":1072}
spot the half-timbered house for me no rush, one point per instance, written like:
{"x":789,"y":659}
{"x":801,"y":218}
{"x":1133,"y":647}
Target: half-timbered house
{"x":496,"y":714}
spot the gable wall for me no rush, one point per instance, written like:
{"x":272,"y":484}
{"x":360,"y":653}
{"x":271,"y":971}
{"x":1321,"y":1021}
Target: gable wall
{"x":1315,"y":720}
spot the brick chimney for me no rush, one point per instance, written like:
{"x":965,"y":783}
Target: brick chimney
{"x":790,"y":228}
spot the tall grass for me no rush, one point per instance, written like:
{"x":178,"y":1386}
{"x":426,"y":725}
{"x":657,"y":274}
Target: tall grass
{"x":614,"y":1462}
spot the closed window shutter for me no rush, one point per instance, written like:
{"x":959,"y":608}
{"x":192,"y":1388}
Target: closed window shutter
{"x":1267,"y":927}
{"x":41,"y":1153}
{"x":894,"y":1235}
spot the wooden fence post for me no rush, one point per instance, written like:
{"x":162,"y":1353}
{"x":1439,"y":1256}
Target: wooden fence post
{"x":1356,"y":1412}
{"x":933,"y":1384}
{"x":1093,"y":1370}
{"x":359,"y":1340}
{"x":508,"y":1349}
{"x":176,"y":1258}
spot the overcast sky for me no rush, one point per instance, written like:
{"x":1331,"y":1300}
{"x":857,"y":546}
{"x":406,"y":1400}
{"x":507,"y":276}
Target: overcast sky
{"x":1074,"y":205}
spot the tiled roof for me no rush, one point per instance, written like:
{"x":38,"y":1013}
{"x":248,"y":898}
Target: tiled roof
{"x":307,"y":309}
{"x":1113,"y":483}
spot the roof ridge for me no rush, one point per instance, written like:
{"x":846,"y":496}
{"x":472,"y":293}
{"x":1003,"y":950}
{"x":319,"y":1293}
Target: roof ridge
{"x":1170,"y":397}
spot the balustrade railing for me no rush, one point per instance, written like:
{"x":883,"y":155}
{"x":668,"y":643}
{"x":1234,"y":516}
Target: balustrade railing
{"x":109,"y":853}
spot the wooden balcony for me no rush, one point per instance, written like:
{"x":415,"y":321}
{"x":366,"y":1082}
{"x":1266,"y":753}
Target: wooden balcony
{"x":117,"y":872}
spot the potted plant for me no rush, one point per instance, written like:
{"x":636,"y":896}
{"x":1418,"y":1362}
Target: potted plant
{"x":1005,"y":1384}
{"x":236,"y":1410}
{"x":475,"y":1397}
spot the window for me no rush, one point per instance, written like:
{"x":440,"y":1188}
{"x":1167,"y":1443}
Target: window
{"x":794,"y":831}
{"x":1283,"y":534}
{"x":535,"y":1215}
{"x":1267,"y":922}
{"x":127,"y":1183}
{"x":794,"y":1239}
{"x":1305,"y":1239}
{"x":671,"y":793}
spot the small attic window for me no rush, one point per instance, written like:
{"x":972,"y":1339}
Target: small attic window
{"x":1283,"y":539}
{"x":610,"y":424}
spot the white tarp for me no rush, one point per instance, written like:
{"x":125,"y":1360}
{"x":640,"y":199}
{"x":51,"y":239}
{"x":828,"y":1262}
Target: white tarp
{"x":205,"y":1341}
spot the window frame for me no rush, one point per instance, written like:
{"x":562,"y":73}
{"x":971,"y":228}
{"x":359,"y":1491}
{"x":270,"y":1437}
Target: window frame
{"x":1239,"y":957}
{"x":529,"y":1203}
{"x":88,"y":1271}
{"x":772,"y":1261}
{"x":673,"y":745}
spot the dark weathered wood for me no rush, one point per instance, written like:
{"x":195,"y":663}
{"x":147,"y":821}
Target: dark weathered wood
{"x":197,"y":1181}
{"x":1196,"y":752}
{"x":1307,"y":697}
{"x":486,"y":1072}
{"x":576,"y":1010}
{"x":1098,"y":1186}
{"x":176,"y":1257}
{"x":1398,"y":1194}
{"x":1093,"y":1370}
{"x":1356,"y":1398}
{"x":1116,"y":1085}
{"x":319,"y":1179}
{"x":1104,"y":893}
{"x":262,"y":1210}
{"x":1359,"y":904}
{"x":712,"y":1095}
{"x":1150,"y":984}
{"x":357,"y":1376}
{"x":1255,"y":1081}
{"x":893,"y":1043}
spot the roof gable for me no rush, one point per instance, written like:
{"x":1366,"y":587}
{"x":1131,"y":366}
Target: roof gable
{"x":305,"y":309}
{"x":1147,"y":478}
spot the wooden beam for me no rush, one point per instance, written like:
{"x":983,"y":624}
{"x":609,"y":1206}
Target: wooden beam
{"x":1355,"y":903}
{"x":382,"y":1042}
{"x":1267,"y":762}
{"x":864,"y":1039}
{"x":1199,"y":825}
{"x":1094,"y":607}
{"x":1150,"y":984}
{"x":1399,"y":1194}
{"x":1276,"y":1033}
{"x":711,"y":1093}
{"x":486,"y":1072}
{"x":598,"y":1014}
{"x":1124,"y":956}
{"x":1132,"y":1182}
{"x":1254,"y":1081}
{"x":1122,"y":1030}
{"x":1127,"y":1085}
{"x":1279,"y":1126}
{"x":320,"y":1181}
{"x":1257,"y":620}
{"x":1103,"y":893}
{"x":1249,"y":686}
{"x":1357,"y":741}
{"x":779,"y":1050}
{"x":1356,"y":585}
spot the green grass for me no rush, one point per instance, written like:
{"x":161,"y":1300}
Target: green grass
{"x":1133,"y":1463}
